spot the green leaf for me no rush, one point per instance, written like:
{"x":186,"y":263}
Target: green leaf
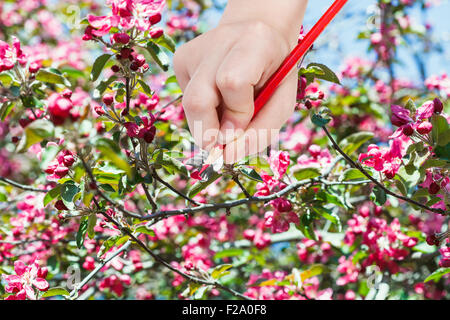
{"x":98,"y":66}
{"x":330,"y":216}
{"x":6,"y":79}
{"x":433,"y":163}
{"x":352,"y":143}
{"x":145,"y":87}
{"x":68,"y":192}
{"x":110,"y":150}
{"x":108,"y":244}
{"x":306,"y":173}
{"x":5,"y":109}
{"x":57,"y":291}
{"x":52,"y":194}
{"x":107,"y":187}
{"x":200,"y":185}
{"x":438,"y":274}
{"x":325,"y":72}
{"x":82,"y":232}
{"x":143,"y":229}
{"x":352,"y":174}
{"x":3,"y":197}
{"x":51,"y":77}
{"x":306,"y":226}
{"x":92,"y":221}
{"x":250,"y":173}
{"x":440,"y":126}
{"x":158,"y":55}
{"x":35,"y":132}
{"x":172,"y":165}
{"x":443,"y":152}
{"x":31,"y":102}
{"x":411,"y":106}
{"x":379,"y":196}
{"x":319,"y":120}
{"x":103,"y":85}
{"x":220,"y":271}
{"x":232,"y":252}
{"x":315,"y":270}
{"x":167,"y":42}
{"x":401,"y":185}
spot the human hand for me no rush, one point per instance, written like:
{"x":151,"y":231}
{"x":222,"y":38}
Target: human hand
{"x":220,"y":72}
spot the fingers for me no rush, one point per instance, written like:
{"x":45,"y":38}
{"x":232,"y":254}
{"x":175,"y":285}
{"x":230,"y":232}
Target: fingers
{"x":180,"y":68}
{"x":264,"y":129}
{"x":200,"y":101}
{"x":236,"y":78}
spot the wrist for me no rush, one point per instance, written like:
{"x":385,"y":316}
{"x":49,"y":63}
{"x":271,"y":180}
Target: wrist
{"x":286,"y":16}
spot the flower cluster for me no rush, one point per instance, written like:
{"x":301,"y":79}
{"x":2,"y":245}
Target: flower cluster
{"x":27,"y":282}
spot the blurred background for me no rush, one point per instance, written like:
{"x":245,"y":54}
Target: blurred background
{"x":339,"y":40}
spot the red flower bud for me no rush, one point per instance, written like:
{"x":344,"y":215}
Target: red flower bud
{"x":68,"y":160}
{"x":154,"y":18}
{"x":24,"y":122}
{"x":156,"y":33}
{"x":122,"y":38}
{"x":321,"y":95}
{"x":51,"y":168}
{"x":34,"y":67}
{"x":139,"y":59}
{"x":134,"y":66}
{"x":108,"y":99}
{"x":100,"y":127}
{"x":434,"y":188}
{"x":125,"y":52}
{"x":432,"y":240}
{"x":99,"y":110}
{"x":59,"y":205}
{"x":408,"y":130}
{"x":400,"y":116}
{"x":308,"y":104}
{"x":67,"y":93}
{"x":42,"y":272}
{"x":424,"y":127}
{"x":438,"y":106}
{"x":61,"y":171}
{"x":149,"y":135}
{"x":115,"y":68}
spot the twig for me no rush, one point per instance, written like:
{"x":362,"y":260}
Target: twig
{"x":156,"y":176}
{"x":21,"y":186}
{"x":228,"y":204}
{"x":126,"y":231}
{"x":97,"y":269}
{"x":236,"y":179}
{"x":379,"y":184}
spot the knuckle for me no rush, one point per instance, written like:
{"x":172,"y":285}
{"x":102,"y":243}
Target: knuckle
{"x":194,"y":102}
{"x":229,"y":80}
{"x":259,"y":28}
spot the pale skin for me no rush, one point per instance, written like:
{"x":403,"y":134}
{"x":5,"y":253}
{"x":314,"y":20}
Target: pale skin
{"x":221,"y":71}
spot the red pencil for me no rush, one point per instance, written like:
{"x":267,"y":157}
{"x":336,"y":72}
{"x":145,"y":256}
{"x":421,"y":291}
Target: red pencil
{"x":296,"y":54}
{"x":291,"y":61}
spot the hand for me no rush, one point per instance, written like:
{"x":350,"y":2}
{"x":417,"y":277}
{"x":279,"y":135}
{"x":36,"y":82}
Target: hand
{"x":220,"y":72}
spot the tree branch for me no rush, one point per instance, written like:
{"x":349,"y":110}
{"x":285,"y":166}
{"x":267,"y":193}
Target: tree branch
{"x":21,"y":186}
{"x":379,"y":184}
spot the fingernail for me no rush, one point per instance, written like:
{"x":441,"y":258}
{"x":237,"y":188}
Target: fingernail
{"x":229,"y":133}
{"x":226,"y":133}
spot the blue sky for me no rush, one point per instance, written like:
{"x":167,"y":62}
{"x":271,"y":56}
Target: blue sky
{"x":339,"y":39}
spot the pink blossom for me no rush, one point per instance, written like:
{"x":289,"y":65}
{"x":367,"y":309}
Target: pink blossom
{"x":27,"y":279}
